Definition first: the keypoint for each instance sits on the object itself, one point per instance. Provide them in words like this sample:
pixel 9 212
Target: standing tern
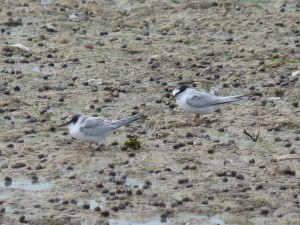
pixel 94 129
pixel 199 102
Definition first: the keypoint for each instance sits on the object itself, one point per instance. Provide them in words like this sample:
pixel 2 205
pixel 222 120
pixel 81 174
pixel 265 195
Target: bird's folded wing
pixel 202 100
pixel 95 126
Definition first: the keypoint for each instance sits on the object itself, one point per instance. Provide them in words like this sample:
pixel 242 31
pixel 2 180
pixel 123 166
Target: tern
pixel 200 102
pixel 94 129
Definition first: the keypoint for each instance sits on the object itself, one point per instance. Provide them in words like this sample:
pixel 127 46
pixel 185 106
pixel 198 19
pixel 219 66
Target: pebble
pixel 18 165
pixel 105 213
pixel 86 206
pixel 251 160
pixel 22 219
pixel 139 192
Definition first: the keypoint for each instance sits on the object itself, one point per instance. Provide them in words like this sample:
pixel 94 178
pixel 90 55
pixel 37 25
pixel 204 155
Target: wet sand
pixel 116 58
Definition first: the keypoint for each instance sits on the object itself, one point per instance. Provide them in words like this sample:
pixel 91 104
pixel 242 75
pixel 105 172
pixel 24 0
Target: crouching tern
pixel 199 102
pixel 94 129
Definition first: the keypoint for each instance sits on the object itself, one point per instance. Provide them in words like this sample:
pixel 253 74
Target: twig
pixel 253 137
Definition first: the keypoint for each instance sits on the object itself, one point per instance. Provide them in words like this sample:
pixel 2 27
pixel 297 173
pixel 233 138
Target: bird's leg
pixel 90 145
pixel 197 117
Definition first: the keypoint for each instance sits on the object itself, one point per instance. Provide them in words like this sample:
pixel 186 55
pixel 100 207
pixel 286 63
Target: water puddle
pixel 46 2
pixel 93 203
pixel 126 222
pixel 36 69
pixel 26 184
pixel 134 182
pixel 193 220
pixel 181 219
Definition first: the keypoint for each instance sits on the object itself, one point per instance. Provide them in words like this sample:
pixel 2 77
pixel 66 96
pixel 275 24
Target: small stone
pixel 287 144
pixel 221 129
pixel 264 211
pixel 22 219
pixel 72 176
pixel 7 179
pixel 86 206
pixel 17 88
pixel 99 185
pixel 278 139
pixel 240 176
pixel 288 171
pixel 259 186
pixel 115 208
pixel 18 165
pixel 183 180
pixel 10 145
pixel 105 213
pixel 251 160
pixel 139 192
pixel 97 209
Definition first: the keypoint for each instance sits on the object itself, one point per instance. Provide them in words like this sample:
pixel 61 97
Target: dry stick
pixel 253 137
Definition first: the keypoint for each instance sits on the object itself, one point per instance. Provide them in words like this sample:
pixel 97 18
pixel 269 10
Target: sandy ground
pixel 114 58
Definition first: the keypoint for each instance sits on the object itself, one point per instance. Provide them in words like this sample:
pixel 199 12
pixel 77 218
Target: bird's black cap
pixel 181 89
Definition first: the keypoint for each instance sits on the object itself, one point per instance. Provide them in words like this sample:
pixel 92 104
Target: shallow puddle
pixel 93 203
pixel 126 222
pixel 26 184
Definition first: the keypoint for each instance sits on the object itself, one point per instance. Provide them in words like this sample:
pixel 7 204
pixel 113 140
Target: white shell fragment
pixel 296 73
pixel 20 46
pixel 95 82
pixel 73 17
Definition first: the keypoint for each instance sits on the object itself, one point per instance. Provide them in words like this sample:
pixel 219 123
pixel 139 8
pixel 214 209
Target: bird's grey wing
pixel 95 126
pixel 202 99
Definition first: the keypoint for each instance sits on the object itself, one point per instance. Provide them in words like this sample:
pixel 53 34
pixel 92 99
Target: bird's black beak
pixel 62 125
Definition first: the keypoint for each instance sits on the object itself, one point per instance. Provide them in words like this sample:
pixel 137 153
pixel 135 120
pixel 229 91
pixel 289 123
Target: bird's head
pixel 179 90
pixel 70 120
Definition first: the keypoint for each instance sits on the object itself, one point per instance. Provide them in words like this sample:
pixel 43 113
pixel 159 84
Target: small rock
pixel 105 213
pixel 86 206
pixel 240 177
pixel 18 165
pixel 97 209
pixel 251 160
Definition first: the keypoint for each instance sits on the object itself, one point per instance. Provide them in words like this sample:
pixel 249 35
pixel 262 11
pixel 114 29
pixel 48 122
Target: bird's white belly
pixel 196 110
pixel 77 134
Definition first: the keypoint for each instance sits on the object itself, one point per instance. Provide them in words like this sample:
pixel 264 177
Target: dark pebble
pixel 115 208
pixel 22 219
pixel 251 160
pixel 259 187
pixel 86 206
pixel 183 180
pixel 99 185
pixel 240 177
pixel 139 192
pixel 179 145
pixel 264 211
pixel 97 209
pixel 17 88
pixel 131 154
pixel 287 144
pixel 288 171
pixel 18 165
pixel 7 179
pixel 105 213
